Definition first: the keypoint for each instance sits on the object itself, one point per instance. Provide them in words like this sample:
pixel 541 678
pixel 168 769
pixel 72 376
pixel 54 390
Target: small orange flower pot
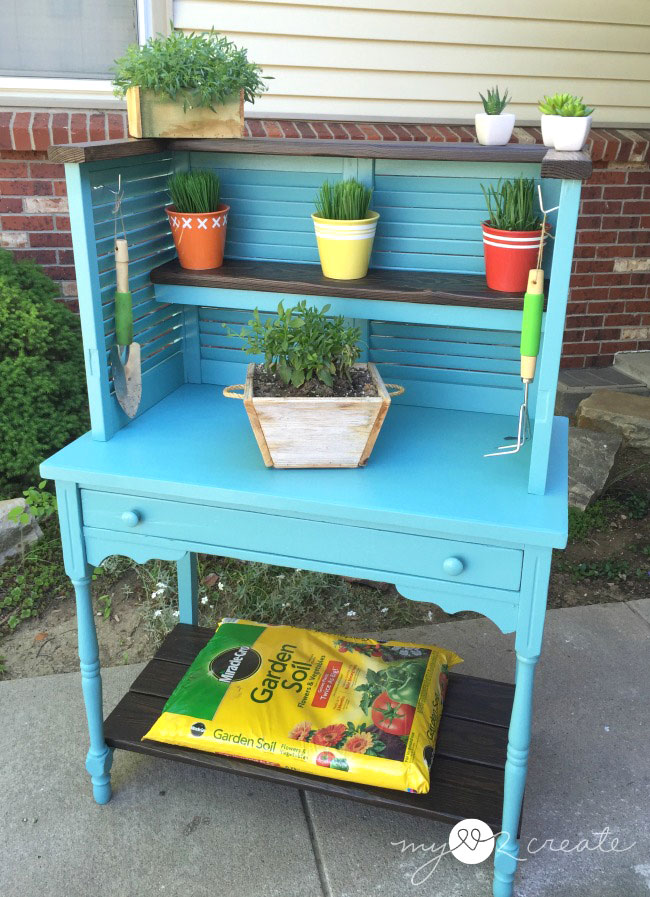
pixel 200 237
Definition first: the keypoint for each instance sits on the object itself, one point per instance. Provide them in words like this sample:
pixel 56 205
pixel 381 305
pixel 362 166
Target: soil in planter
pixel 360 384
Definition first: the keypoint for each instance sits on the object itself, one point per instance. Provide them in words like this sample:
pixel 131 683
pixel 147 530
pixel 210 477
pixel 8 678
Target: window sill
pixel 70 93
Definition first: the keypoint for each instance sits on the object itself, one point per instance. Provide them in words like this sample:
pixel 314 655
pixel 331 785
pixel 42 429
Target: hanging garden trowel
pixel 125 354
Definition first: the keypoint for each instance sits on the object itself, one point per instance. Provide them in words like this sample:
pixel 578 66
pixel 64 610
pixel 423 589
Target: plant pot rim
pixel 373 216
pixel 496 230
pixel 172 210
pixel 495 115
pixel 381 396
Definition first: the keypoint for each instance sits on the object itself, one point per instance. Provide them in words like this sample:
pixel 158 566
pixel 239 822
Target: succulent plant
pixel 494 104
pixel 564 104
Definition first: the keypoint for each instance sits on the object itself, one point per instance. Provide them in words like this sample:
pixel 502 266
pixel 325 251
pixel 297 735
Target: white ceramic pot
pixel 570 134
pixel 548 129
pixel 494 130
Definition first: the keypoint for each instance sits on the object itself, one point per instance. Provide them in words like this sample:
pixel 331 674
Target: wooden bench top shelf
pixel 429 513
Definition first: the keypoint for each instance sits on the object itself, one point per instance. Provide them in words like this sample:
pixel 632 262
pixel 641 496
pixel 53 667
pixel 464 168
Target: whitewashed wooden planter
pixel 154 115
pixel 315 432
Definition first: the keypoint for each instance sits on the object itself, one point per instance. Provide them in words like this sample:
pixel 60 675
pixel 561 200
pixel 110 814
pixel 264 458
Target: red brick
pixel 574 321
pixel 20 129
pixel 634 236
pixel 625 191
pixel 11 205
pixel 582 280
pixel 79 127
pixel 591 265
pixel 62 222
pixel 116 129
pixel 254 128
pixel 97 126
pixel 26 188
pixel 59 188
pixel 597 236
pixel 590 293
pixel 42 256
pixel 573 363
pixel 61 127
pixel 620 320
pixel 322 131
pixel 592 192
pixel 639 278
pixel 614 251
pixel 369 132
pixel 307 131
pixel 56 239
pixel 637 207
pixel 39 169
pixel 27 222
pixel 580 348
pixel 386 132
pixel 289 130
pixel 589 222
pixel 21 155
pixel 13 169
pixel 66 257
pixel 601 207
pixel 611 279
pixel 5 130
pixel 606 176
pixel 576 308
pixel 337 130
pixel 353 130
pixel 41 130
pixel 603 333
pixel 611 347
pixel 448 133
pixel 609 307
pixel 639 177
pixel 620 222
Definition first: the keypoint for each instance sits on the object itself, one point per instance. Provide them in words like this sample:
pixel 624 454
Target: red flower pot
pixel 509 256
pixel 199 237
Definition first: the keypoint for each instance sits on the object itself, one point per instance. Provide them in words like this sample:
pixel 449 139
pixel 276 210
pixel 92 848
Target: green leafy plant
pixel 343 201
pixel 494 103
pixel 39 502
pixel 201 69
pixel 302 343
pixel 43 400
pixel 564 104
pixel 510 205
pixel 194 191
pixel 105 603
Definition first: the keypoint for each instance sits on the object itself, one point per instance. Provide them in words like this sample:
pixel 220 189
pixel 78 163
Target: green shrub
pixel 43 402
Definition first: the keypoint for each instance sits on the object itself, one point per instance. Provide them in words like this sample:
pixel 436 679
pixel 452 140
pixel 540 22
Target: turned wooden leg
pixel 528 645
pixel 100 756
pixel 188 589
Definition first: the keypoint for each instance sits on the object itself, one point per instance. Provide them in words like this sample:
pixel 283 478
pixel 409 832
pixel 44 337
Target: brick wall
pixel 609 303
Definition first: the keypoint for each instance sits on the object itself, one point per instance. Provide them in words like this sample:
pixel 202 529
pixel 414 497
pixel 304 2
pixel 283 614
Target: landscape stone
pixel 15 536
pixel 617 412
pixel 591 456
pixel 634 364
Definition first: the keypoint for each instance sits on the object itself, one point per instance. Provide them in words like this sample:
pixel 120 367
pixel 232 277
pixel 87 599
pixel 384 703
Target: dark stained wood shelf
pixel 575 166
pixel 424 287
pixel 467 771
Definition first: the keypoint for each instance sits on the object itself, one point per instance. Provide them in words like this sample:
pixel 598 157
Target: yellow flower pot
pixel 344 247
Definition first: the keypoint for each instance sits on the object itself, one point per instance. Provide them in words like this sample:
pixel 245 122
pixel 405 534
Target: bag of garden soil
pixel 345 708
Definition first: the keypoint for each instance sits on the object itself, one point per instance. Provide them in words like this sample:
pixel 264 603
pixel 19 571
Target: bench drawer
pixel 229 530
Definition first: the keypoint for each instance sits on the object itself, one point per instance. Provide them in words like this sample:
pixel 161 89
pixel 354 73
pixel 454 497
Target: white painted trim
pixel 83 93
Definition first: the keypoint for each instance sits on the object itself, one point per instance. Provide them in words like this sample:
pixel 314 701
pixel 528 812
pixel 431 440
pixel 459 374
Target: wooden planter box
pixel 315 432
pixel 153 115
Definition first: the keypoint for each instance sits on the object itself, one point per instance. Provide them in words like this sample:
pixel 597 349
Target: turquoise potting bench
pixel 429 513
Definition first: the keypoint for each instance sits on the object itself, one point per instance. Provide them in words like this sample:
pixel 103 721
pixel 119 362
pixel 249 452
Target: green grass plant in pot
pixel 187 85
pixel 345 229
pixel 511 233
pixel 493 125
pixel 197 218
pixel 566 122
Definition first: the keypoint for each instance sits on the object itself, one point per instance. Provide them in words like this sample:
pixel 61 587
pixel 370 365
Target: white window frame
pixel 153 17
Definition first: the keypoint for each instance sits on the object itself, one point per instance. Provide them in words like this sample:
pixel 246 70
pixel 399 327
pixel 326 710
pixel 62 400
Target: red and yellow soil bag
pixel 345 708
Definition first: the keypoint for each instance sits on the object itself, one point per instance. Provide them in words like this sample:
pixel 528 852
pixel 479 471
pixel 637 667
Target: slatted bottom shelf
pixel 467 771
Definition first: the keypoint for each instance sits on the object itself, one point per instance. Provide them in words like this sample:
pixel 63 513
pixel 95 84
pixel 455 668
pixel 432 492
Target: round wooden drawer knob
pixel 132 518
pixel 453 566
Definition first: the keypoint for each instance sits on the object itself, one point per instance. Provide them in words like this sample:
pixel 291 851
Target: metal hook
pixel 117 206
pixel 541 204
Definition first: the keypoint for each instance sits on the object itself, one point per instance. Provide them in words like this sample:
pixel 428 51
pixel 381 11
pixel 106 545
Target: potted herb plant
pixel 345 229
pixel 197 219
pixel 310 404
pixel 511 234
pixel 566 122
pixel 187 85
pixel 493 125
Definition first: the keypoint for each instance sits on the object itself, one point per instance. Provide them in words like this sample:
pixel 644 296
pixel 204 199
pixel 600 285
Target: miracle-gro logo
pixel 235 664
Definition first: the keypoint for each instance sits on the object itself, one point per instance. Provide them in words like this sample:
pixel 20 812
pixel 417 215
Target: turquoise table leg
pixel 188 589
pixel 100 756
pixel 528 645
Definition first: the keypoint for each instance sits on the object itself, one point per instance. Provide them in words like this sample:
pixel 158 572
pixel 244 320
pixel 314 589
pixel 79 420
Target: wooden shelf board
pixel 467 771
pixel 422 287
pixel 553 164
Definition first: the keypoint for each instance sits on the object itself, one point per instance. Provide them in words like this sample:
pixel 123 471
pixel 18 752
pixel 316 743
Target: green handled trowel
pixel 531 330
pixel 125 353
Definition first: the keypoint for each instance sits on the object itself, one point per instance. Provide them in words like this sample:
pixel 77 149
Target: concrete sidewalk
pixel 176 830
